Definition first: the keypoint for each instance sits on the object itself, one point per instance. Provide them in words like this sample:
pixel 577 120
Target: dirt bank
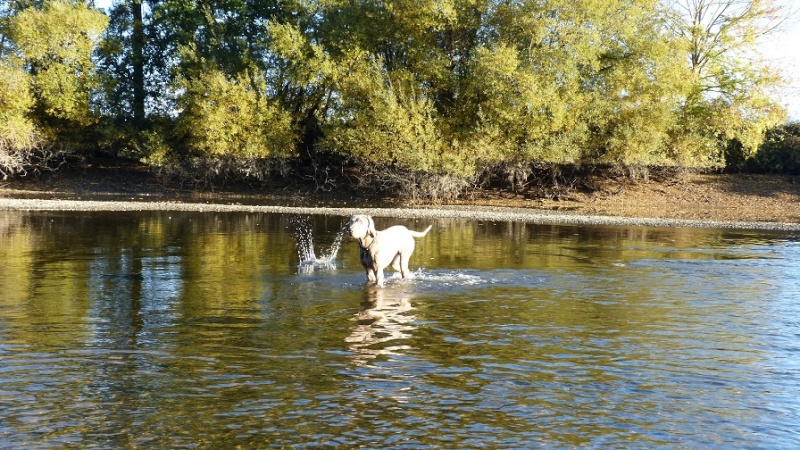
pixel 717 197
pixel 741 201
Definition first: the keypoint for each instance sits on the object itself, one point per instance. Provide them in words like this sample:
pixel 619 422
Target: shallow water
pixel 157 330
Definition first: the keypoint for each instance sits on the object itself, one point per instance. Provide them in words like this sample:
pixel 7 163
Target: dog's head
pixel 360 227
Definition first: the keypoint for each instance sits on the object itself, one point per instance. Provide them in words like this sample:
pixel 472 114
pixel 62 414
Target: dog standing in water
pixel 379 249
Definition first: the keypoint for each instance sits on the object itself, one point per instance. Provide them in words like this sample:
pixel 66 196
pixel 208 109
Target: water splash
pixel 309 261
pixel 443 278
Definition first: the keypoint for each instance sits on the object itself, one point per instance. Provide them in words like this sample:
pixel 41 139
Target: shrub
pixel 231 118
pixel 18 135
pixel 780 152
pixel 56 43
pixel 388 119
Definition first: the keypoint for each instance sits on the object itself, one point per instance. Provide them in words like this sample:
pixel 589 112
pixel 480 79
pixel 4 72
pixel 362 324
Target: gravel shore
pixel 481 213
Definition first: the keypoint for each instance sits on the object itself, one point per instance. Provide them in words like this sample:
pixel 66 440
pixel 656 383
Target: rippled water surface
pixel 154 330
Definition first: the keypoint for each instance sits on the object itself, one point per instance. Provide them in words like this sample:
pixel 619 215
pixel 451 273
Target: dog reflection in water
pixel 383 324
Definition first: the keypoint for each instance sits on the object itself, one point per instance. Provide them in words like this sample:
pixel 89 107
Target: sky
pixel 781 49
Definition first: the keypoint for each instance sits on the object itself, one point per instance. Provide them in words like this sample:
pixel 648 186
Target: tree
pixel 451 87
pixel 135 62
pixel 48 80
pixel 56 44
pixel 138 61
pixel 579 82
pixel 385 120
pixel 732 96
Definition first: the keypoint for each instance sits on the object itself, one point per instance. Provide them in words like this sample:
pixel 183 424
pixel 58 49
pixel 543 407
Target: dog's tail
pixel 419 234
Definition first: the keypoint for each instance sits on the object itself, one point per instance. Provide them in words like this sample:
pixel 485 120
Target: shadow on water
pixel 207 329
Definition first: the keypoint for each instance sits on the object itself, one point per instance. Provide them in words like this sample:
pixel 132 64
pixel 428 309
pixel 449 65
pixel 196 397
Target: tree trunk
pixel 138 62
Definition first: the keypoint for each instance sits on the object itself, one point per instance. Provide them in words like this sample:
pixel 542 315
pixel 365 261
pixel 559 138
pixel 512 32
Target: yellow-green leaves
pixel 441 86
pixel 732 97
pixel 231 118
pixel 56 42
pixel 18 135
pixel 386 121
pixel 16 129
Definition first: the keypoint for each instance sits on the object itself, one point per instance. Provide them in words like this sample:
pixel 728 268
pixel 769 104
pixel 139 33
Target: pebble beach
pixel 465 212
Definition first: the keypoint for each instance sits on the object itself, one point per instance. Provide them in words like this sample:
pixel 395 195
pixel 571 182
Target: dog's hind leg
pixel 404 271
pixel 405 257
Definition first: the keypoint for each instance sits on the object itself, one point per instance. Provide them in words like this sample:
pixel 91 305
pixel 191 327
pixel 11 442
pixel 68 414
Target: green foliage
pixel 45 107
pixel 16 129
pixel 302 77
pixel 780 152
pixel 225 117
pixel 504 109
pixel 386 122
pixel 56 44
pixel 733 92
pixel 18 135
pixel 452 88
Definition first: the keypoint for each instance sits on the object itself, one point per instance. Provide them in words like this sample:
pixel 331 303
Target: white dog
pixel 379 249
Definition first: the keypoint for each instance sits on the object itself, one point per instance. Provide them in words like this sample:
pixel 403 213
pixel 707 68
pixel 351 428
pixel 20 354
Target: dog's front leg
pixel 379 277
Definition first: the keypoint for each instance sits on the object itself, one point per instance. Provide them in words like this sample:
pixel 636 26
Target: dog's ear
pixel 371 227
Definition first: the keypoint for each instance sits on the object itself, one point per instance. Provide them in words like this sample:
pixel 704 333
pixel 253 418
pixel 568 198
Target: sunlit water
pixel 155 330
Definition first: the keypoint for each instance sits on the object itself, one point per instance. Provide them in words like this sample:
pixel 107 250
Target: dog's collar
pixel 361 242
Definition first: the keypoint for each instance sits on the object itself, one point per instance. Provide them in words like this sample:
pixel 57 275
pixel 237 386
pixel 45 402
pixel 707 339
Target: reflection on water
pixel 174 330
pixel 384 324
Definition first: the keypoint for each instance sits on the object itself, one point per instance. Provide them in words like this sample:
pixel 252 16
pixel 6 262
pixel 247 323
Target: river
pixel 215 330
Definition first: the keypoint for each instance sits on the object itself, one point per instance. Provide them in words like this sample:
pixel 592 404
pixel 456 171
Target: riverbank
pixel 691 200
pixel 695 197
pixel 471 212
